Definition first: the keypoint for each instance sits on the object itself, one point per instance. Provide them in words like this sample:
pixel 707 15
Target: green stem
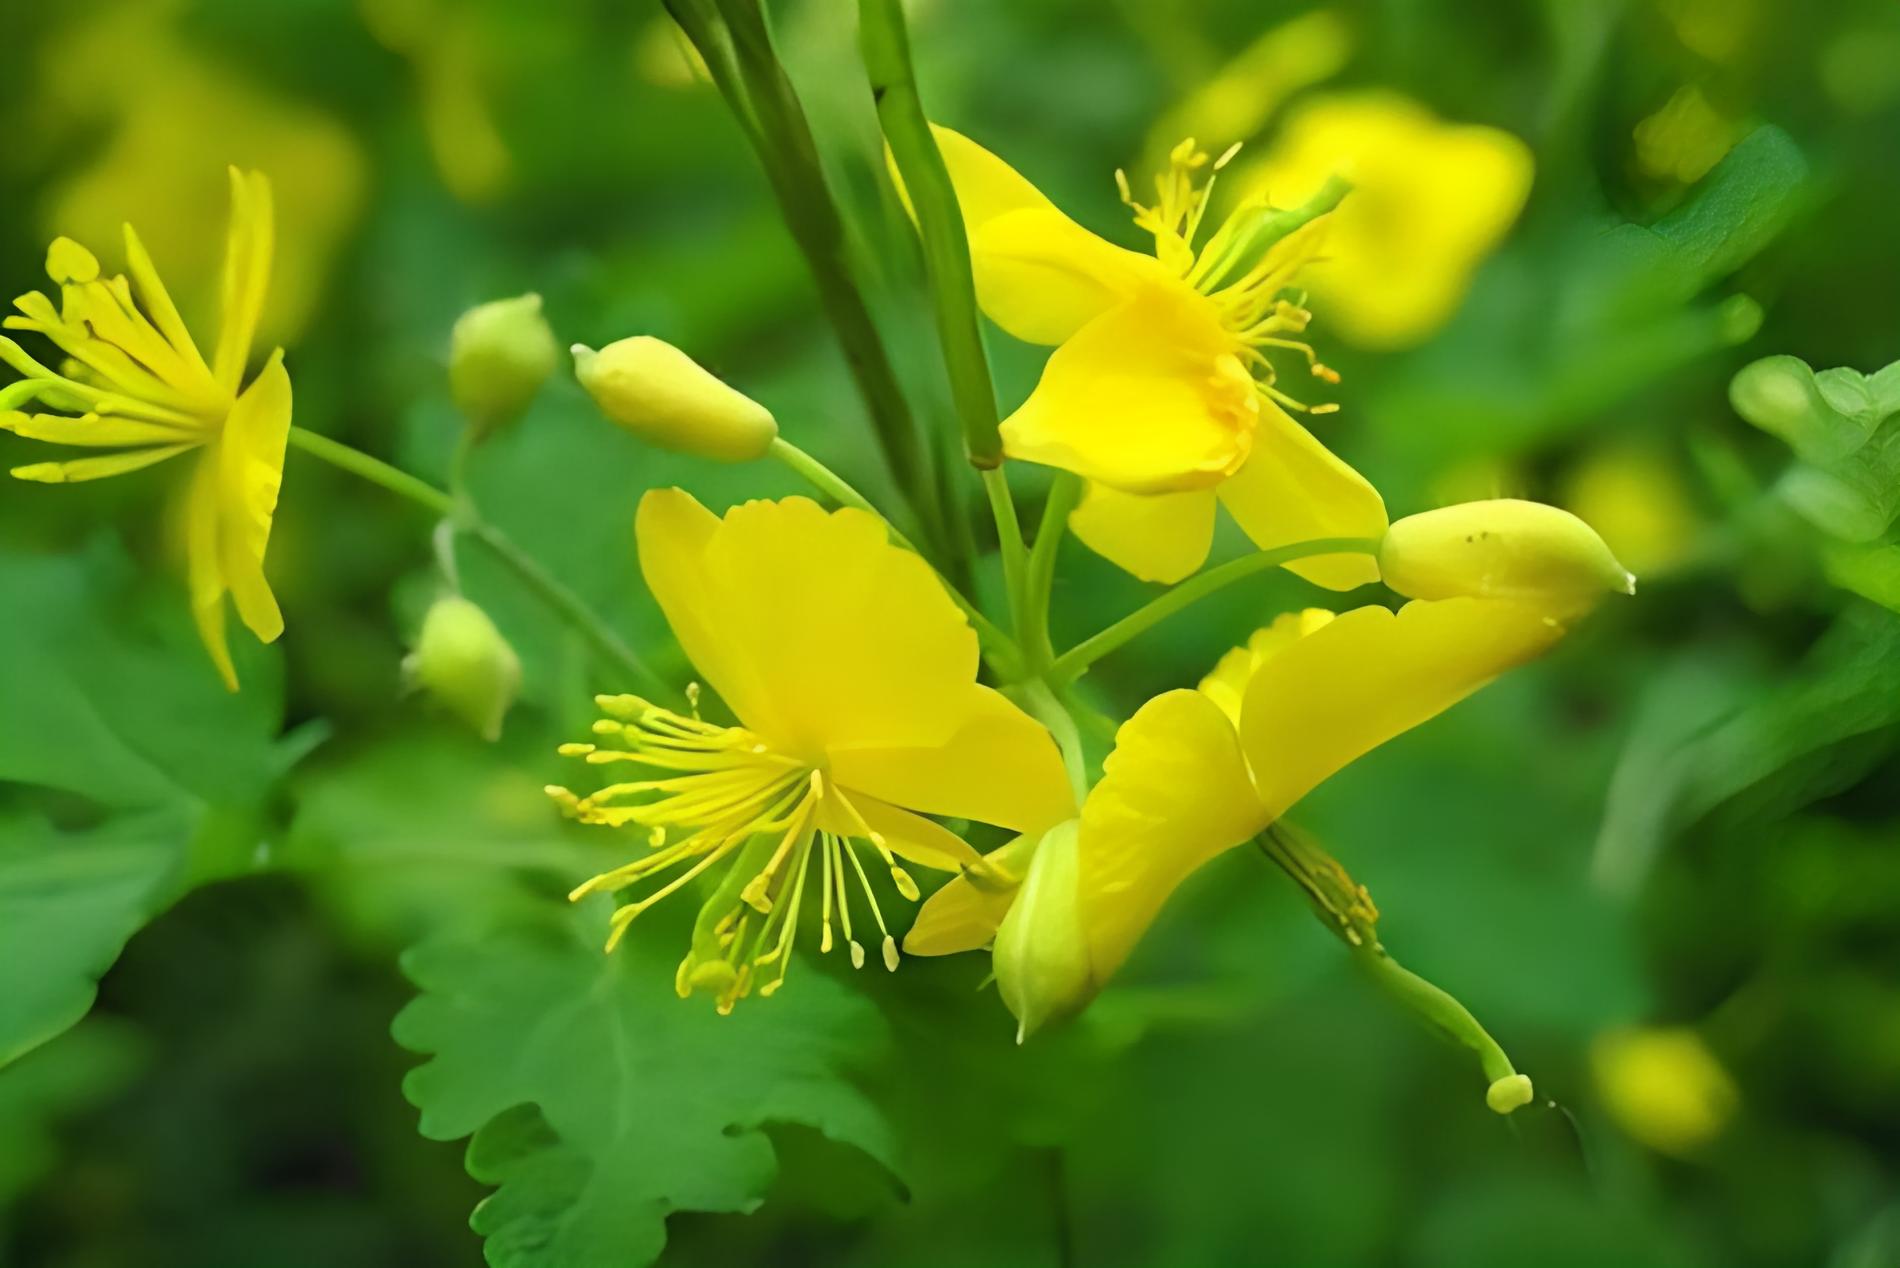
pixel 933 200
pixel 1009 540
pixel 1074 662
pixel 766 103
pixel 1040 575
pixel 464 515
pixel 1043 705
pixel 834 486
pixel 375 470
pixel 1344 906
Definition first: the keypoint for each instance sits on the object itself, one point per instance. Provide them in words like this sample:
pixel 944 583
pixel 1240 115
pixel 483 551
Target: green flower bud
pixel 1041 957
pixel 499 355
pixel 1502 549
pixel 666 398
pixel 462 661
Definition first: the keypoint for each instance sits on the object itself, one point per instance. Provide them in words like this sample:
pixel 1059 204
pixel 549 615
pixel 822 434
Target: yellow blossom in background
pixel 167 111
pixel 1195 773
pixel 1238 99
pixel 136 383
pixel 853 678
pixel 1634 495
pixel 442 42
pixel 1664 1087
pixel 1430 200
pixel 1162 389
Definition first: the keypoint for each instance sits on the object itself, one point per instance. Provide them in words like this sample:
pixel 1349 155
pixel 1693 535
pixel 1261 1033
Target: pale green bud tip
pixel 462 661
pixel 1041 956
pixel 500 353
pixel 666 398
pixel 1502 549
pixel 1511 1092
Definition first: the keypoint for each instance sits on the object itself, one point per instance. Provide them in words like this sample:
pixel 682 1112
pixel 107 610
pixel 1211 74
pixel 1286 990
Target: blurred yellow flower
pixel 1429 202
pixel 853 677
pixel 1160 391
pixel 1239 98
pixel 443 44
pixel 1195 773
pixel 139 385
pixel 167 109
pixel 1664 1087
pixel 1635 497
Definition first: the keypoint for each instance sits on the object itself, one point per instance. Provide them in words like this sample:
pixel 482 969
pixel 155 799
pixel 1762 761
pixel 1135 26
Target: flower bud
pixel 666 398
pixel 499 355
pixel 462 660
pixel 1502 549
pixel 1041 957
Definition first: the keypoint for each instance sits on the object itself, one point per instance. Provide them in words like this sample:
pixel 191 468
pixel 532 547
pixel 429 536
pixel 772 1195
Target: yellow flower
pixel 1195 773
pixel 1430 200
pixel 134 382
pixel 853 678
pixel 1663 1086
pixel 1160 391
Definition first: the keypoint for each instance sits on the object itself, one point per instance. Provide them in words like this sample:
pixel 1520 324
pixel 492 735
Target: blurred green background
pixel 1662 866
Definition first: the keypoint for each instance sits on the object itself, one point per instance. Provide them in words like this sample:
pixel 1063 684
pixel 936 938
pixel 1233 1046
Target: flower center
pixel 1245 268
pixel 728 797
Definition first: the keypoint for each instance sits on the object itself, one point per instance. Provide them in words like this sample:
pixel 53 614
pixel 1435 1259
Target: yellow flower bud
pixel 499 355
pixel 666 398
pixel 1502 549
pixel 462 661
pixel 1041 957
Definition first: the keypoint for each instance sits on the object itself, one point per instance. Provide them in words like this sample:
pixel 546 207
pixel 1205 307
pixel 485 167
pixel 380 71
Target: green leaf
pixel 1847 482
pixel 134 773
pixel 600 1102
pixel 1810 737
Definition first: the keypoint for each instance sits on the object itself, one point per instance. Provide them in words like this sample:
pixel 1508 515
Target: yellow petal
pixel 203 570
pixel 1000 767
pixel 1370 674
pixel 80 469
pixel 91 430
pixel 1038 274
pixel 817 631
pixel 251 459
pixel 961 916
pixel 1293 489
pixel 1158 536
pixel 1174 794
pixel 909 836
pixel 1226 684
pixel 1146 398
pixel 965 913
pixel 247 264
pixel 157 302
pixel 67 261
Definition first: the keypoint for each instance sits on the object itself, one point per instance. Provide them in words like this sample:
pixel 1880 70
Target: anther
pixel 890 953
pixel 574 749
pixel 857 954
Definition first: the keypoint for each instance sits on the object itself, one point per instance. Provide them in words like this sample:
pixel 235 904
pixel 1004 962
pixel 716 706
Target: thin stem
pixel 465 516
pixel 1039 576
pixel 1344 906
pixel 1074 662
pixel 553 592
pixel 933 201
pixel 1043 705
pixel 375 470
pixel 1009 538
pixel 834 486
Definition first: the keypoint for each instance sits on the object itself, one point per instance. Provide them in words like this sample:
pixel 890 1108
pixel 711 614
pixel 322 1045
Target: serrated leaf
pixel 111 719
pixel 642 1104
